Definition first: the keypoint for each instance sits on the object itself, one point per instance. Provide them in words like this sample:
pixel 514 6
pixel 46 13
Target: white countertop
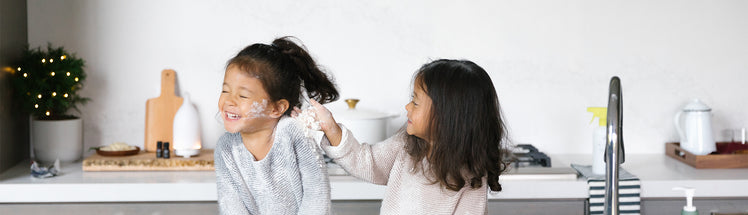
pixel 659 174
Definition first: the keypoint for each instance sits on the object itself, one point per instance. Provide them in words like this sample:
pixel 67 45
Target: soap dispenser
pixel 598 139
pixel 689 209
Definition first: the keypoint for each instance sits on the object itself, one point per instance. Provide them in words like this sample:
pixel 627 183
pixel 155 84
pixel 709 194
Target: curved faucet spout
pixel 614 154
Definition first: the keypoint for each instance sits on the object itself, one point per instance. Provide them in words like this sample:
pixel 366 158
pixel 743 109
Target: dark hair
pixel 283 67
pixel 465 127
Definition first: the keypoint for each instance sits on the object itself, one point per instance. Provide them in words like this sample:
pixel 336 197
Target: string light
pixel 44 98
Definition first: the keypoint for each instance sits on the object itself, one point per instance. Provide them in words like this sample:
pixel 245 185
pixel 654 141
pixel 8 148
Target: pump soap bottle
pixel 598 139
pixel 689 209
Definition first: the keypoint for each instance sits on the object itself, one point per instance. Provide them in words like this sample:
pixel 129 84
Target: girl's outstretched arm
pixel 369 162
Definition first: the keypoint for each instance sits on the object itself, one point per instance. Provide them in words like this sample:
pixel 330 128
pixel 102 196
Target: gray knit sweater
pixel 291 179
pixel 407 192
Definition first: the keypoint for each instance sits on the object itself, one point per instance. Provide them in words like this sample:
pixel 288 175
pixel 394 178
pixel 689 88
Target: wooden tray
pixel 147 161
pixel 711 161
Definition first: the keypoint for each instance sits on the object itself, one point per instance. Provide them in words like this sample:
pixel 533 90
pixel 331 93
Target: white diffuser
pixel 186 140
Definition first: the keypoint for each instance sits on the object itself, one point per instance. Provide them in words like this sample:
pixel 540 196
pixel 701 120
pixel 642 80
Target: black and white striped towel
pixel 629 188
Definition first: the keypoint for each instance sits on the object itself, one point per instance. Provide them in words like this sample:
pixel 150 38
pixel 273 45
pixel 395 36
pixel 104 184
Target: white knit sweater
pixel 291 179
pixel 387 163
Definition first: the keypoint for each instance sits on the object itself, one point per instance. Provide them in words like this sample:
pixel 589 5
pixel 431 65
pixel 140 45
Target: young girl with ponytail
pixel 264 163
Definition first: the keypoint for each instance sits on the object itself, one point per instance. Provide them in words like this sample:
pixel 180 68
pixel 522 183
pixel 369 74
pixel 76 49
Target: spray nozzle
pixel 599 112
pixel 689 197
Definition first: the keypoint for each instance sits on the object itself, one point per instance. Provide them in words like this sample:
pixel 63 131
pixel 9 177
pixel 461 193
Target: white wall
pixel 548 59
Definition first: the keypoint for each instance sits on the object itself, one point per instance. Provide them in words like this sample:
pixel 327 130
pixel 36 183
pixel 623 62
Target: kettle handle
pixel 679 129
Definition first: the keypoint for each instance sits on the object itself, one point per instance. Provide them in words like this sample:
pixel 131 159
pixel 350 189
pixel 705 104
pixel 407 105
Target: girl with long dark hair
pixel 448 156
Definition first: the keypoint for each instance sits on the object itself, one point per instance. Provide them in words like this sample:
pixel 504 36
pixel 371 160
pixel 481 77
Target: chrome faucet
pixel 614 155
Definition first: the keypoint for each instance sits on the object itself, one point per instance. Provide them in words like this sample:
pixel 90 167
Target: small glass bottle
pixel 166 150
pixel 159 146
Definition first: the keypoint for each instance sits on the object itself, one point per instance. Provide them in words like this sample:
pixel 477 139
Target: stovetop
pixel 523 155
pixel 526 155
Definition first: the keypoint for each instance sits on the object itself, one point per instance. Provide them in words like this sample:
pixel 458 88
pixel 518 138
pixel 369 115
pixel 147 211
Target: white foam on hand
pixel 309 118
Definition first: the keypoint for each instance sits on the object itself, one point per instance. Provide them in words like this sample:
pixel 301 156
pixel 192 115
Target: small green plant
pixel 46 83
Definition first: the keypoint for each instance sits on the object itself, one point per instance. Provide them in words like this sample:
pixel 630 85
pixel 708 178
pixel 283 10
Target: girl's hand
pixel 326 122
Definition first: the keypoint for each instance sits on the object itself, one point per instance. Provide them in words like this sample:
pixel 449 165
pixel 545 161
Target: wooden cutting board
pixel 160 111
pixel 147 161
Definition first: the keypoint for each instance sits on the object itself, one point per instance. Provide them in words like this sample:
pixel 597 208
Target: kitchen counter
pixel 658 173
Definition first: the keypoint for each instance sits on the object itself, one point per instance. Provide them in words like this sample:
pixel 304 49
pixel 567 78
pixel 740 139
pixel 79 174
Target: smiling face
pixel 244 104
pixel 419 111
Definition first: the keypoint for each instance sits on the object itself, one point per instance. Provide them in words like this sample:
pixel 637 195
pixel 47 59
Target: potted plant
pixel 46 85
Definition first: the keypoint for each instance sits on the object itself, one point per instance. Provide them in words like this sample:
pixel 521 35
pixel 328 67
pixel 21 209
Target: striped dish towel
pixel 629 188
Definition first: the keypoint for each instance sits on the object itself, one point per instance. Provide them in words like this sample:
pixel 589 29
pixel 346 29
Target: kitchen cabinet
pixel 495 207
pixel 340 207
pixel 704 205
pixel 160 208
pixel 364 207
pixel 537 206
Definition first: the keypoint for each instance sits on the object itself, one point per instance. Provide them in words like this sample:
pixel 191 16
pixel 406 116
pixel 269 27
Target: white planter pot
pixel 57 139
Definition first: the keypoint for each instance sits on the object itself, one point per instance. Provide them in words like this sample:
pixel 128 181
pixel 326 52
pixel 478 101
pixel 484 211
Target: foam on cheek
pixel 257 110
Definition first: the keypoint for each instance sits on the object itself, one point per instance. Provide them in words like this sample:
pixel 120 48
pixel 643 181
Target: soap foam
pixel 307 117
pixel 256 110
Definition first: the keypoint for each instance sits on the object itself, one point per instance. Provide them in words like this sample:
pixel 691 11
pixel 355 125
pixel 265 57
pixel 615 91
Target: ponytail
pixel 284 67
pixel 317 83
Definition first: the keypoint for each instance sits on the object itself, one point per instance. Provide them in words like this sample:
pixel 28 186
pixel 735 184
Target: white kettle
pixel 695 129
